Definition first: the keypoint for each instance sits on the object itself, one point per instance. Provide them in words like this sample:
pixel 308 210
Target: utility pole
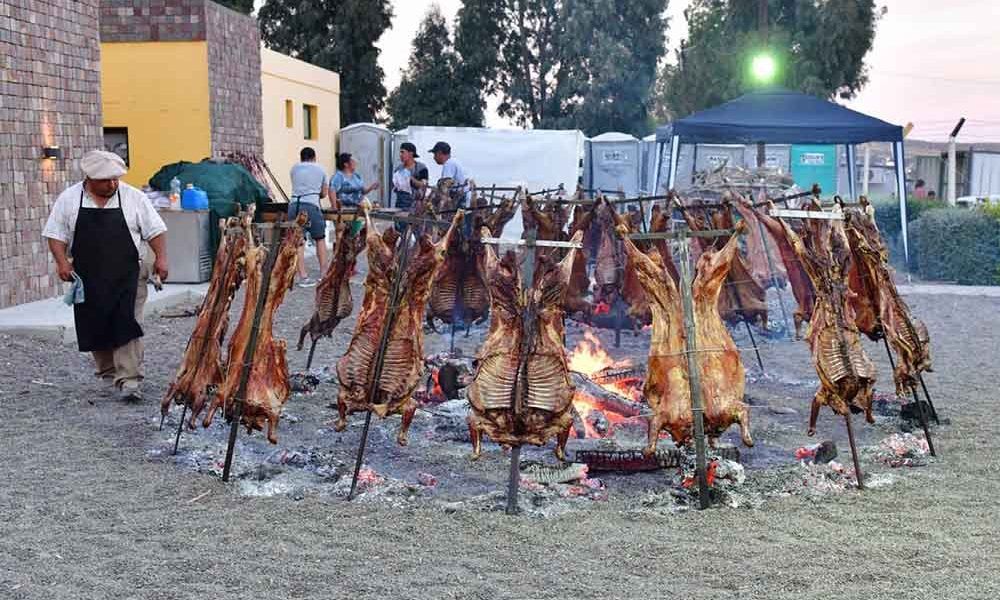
pixel 952 160
pixel 762 28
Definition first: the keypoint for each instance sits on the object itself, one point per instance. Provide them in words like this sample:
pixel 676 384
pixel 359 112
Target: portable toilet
pixel 612 161
pixel 370 145
pixel 813 163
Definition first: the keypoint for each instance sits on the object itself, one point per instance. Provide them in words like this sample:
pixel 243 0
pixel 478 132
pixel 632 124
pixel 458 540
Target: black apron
pixel 106 258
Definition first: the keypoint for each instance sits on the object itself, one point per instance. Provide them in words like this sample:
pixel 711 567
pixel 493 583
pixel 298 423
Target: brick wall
pixel 50 94
pixel 152 20
pixel 234 81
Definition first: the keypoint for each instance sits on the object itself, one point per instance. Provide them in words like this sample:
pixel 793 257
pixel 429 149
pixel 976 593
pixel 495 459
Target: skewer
pixel 393 306
pixel 251 350
pixel 312 351
pixel 854 451
pixel 927 394
pixel 753 341
pixel 180 426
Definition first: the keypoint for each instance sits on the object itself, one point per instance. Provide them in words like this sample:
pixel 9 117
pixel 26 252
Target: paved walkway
pixel 934 289
pixel 51 319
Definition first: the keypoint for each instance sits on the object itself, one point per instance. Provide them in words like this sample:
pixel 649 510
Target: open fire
pixel 600 415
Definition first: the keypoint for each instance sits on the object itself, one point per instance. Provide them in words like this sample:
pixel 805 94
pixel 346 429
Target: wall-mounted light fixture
pixel 52 152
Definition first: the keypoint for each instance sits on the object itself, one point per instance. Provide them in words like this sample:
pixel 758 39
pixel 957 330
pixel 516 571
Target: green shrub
pixel 956 244
pixel 887 213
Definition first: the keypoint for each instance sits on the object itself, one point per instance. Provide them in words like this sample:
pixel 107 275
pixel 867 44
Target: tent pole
pixel 852 172
pixel 897 152
pixel 867 169
pixel 659 165
pixel 675 154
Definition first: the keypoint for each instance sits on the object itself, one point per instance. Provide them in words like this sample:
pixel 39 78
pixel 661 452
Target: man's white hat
pixel 101 164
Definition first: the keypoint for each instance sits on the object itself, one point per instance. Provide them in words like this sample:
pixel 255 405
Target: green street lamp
pixel 764 68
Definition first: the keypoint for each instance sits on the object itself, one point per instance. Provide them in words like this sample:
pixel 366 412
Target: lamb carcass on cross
pixel 459 293
pixel 403 359
pixel 522 392
pixel 267 388
pixel 846 374
pixel 333 293
pixel 667 388
pixel 876 298
pixel 798 278
pixel 200 372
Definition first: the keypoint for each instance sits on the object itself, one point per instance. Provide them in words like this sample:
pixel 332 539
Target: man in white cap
pixel 98 231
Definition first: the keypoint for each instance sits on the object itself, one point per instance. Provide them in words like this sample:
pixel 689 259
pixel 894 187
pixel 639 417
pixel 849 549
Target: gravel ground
pixel 89 509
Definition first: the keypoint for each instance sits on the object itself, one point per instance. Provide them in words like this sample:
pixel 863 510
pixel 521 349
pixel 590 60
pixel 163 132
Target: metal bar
pixel 403 218
pixel 180 426
pixel 312 351
pixel 694 377
pixel 513 480
pixel 524 242
pixel 251 349
pixel 753 341
pixel 393 306
pixel 854 451
pixel 927 394
pixel 806 214
pixel 681 234
pixel 275 180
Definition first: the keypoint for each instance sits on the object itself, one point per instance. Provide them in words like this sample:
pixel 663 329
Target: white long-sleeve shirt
pixel 144 223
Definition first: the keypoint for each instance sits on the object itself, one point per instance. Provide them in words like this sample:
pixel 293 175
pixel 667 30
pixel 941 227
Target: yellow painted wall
pixel 159 91
pixel 283 79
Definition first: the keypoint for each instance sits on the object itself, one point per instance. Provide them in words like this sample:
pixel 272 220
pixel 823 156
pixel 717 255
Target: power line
pixel 937 78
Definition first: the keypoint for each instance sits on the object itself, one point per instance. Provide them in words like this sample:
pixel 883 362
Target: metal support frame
pixel 920 407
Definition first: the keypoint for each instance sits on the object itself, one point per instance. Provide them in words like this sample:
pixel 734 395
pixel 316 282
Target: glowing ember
pixel 589 356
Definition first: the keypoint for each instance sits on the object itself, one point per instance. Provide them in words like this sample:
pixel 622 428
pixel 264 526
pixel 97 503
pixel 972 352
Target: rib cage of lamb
pixel 403 358
pixel 333 293
pixel 667 387
pixel 267 388
pixel 200 372
pixel 459 293
pixel 846 373
pixel 522 393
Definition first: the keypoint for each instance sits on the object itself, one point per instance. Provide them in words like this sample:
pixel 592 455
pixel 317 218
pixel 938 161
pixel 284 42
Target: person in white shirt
pixel 98 231
pixel 309 186
pixel 451 169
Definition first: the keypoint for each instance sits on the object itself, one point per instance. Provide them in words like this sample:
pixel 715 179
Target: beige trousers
pixel 124 363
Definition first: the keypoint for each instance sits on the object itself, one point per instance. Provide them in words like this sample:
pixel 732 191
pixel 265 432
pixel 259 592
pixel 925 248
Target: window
pixel 289 114
pixel 309 122
pixel 116 140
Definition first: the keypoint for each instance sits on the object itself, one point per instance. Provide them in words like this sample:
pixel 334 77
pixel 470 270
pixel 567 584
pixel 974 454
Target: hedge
pixel 956 244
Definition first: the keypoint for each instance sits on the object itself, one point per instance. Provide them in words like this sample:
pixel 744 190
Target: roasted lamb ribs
pixel 522 392
pixel 846 374
pixel 403 359
pixel 333 293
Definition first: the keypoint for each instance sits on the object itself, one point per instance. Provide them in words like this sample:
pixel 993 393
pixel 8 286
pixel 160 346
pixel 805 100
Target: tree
pixel 243 6
pixel 339 35
pixel 819 45
pixel 586 64
pixel 432 91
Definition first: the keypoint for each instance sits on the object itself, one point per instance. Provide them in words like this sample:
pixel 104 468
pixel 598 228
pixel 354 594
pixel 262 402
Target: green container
pixel 815 164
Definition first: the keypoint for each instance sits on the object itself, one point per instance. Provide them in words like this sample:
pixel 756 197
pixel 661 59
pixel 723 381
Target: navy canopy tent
pixel 784 117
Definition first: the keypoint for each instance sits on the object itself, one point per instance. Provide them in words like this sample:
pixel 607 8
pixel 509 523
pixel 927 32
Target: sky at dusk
pixel 933 61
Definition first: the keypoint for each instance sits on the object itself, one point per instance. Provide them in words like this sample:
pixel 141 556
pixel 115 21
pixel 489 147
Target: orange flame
pixel 589 358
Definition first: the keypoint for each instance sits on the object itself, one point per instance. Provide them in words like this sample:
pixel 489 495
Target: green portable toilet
pixel 813 163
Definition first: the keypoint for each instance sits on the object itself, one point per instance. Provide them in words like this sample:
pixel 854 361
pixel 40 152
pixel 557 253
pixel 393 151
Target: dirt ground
pixel 87 511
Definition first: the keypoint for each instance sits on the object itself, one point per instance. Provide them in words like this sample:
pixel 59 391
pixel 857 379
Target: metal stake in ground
pixel 694 375
pixel 854 451
pixel 528 275
pixel 274 232
pixel 913 389
pixel 390 317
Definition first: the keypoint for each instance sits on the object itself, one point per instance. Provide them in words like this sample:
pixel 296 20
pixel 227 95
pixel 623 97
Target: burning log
pixel 604 399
